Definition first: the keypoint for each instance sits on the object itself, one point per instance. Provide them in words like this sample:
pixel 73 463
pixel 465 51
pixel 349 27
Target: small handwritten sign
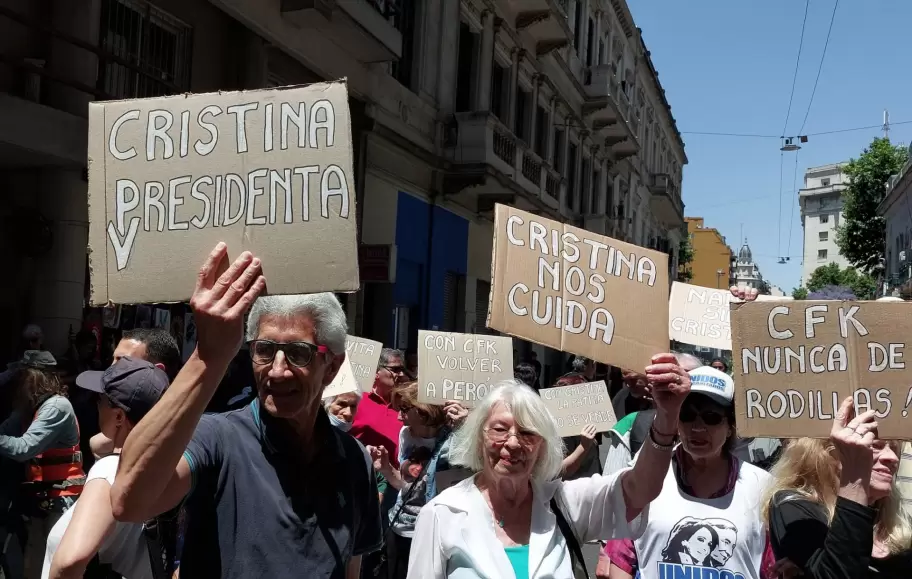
pixel 573 407
pixel 461 367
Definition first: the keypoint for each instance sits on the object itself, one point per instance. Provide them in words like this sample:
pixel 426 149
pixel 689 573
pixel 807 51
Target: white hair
pixel 323 308
pixel 327 402
pixel 529 412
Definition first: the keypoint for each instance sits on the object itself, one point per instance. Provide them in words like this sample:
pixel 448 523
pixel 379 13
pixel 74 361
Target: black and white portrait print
pixel 701 542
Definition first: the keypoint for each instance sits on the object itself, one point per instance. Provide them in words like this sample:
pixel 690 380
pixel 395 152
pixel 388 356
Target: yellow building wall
pixel 711 254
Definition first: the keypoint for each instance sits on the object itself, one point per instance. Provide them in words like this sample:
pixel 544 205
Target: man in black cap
pixel 126 392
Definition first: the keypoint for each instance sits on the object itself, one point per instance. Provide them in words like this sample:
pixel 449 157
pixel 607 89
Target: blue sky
pixel 727 66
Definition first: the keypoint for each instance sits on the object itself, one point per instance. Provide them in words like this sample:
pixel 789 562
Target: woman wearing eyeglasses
pixel 704 523
pixel 514 517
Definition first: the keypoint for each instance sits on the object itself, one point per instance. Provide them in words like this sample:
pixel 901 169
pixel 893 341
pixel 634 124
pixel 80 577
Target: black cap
pixel 133 385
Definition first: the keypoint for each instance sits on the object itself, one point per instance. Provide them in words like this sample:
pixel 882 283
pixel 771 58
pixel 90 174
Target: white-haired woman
pixel 514 517
pixel 833 509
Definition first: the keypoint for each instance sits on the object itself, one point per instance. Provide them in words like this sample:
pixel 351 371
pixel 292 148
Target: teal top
pixel 519 559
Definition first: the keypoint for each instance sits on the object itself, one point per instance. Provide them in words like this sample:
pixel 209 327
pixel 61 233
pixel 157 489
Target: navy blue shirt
pixel 258 509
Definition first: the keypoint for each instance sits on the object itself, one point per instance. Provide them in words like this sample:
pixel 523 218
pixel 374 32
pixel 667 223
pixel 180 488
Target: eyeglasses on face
pixel 501 434
pixel 709 417
pixel 298 354
pixel 394 370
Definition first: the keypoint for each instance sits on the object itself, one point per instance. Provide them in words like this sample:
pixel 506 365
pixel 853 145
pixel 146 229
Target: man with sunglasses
pixel 377 422
pixel 271 490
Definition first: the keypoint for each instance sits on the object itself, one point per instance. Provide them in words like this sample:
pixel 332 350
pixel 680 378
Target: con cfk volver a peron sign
pixel 268 171
pixel 700 315
pixel 461 367
pixel 578 292
pixel 795 362
pixel 579 405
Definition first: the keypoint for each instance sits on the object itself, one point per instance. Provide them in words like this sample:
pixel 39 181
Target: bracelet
pixel 656 445
pixel 666 434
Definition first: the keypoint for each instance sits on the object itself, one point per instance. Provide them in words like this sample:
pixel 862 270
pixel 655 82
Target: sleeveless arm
pixel 92 522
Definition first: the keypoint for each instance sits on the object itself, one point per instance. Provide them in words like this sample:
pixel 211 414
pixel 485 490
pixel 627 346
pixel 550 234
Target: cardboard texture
pixel 573 407
pixel 578 292
pixel 344 381
pixel 461 367
pixel 700 315
pixel 268 171
pixel 795 362
pixel 363 355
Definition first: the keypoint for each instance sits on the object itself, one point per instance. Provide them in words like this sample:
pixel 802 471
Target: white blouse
pixel 454 535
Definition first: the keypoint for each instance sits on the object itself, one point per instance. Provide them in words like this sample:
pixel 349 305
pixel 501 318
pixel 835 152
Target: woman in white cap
pixel 87 534
pixel 705 519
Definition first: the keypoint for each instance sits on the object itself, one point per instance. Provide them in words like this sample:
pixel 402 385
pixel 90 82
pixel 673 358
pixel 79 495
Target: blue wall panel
pixel 441 237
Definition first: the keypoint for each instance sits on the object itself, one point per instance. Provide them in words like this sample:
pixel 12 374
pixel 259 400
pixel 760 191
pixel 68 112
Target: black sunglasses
pixel 298 354
pixel 395 369
pixel 709 417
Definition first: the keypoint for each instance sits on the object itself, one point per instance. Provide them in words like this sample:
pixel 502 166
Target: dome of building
pixel 745 254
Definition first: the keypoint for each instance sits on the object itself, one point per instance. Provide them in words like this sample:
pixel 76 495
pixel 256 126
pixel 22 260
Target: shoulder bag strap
pixel 573 544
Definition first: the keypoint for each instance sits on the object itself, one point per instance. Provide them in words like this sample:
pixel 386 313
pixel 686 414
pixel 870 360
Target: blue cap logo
pixel 711 381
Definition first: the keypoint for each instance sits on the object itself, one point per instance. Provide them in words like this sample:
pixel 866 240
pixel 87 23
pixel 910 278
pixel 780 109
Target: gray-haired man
pixel 272 490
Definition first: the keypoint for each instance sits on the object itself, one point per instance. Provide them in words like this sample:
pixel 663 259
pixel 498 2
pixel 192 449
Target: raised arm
pixel 670 385
pixel 152 471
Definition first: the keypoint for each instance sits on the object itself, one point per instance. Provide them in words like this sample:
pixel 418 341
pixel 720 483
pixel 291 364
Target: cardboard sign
pixel 344 381
pixel 578 292
pixel 573 407
pixel 363 355
pixel 268 171
pixel 461 367
pixel 796 361
pixel 700 315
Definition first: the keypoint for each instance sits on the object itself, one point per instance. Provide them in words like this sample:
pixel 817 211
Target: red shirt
pixel 377 424
pixel 622 552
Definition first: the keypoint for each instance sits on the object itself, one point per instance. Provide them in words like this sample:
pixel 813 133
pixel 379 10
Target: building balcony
pixel 545 21
pixel 484 148
pixel 602 93
pixel 365 28
pixel 665 200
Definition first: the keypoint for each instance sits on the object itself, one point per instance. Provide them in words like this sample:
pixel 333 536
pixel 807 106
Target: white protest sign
pixel 269 171
pixel 363 355
pixel 344 381
pixel 461 367
pixel 701 316
pixel 575 406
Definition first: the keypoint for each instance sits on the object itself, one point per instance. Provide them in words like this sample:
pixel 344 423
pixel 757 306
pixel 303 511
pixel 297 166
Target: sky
pixel 727 66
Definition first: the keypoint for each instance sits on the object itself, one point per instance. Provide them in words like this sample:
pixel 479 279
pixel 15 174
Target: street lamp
pixel 719 274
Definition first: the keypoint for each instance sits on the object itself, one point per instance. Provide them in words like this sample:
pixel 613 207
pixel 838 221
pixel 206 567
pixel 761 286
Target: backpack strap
pixel 640 430
pixel 578 562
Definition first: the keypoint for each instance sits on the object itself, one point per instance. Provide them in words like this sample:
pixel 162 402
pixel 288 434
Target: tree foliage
pixel 832 292
pixel 800 293
pixel 685 258
pixel 861 236
pixel 861 285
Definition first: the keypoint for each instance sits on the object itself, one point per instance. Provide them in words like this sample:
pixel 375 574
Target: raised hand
pixel 220 301
pixel 380 456
pixel 587 436
pixel 455 413
pixel 854 437
pixel 746 294
pixel 669 384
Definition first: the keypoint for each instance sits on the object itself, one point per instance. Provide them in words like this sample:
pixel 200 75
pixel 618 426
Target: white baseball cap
pixel 713 383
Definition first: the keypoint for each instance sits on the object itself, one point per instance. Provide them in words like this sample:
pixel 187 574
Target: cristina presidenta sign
pixel 268 171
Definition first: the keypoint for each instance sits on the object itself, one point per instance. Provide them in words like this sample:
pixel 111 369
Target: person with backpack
pixel 125 392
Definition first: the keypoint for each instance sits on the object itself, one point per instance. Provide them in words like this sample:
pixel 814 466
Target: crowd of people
pixel 127 472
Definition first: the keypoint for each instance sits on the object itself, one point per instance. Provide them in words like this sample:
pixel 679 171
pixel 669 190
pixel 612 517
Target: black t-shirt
pixel 256 510
pixel 842 550
pixel 625 403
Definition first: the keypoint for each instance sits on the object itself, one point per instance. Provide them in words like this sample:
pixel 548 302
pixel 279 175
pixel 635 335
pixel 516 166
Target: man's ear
pixel 160 366
pixel 332 368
